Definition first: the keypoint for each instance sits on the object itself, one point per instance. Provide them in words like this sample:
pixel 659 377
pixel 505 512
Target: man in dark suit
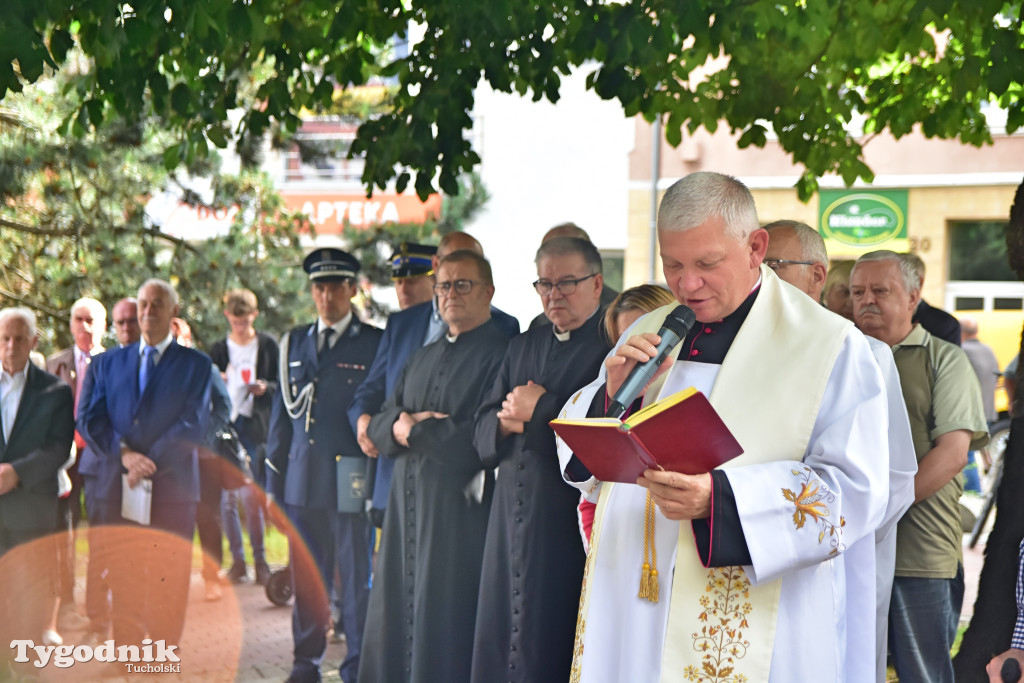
pixel 936 321
pixel 249 361
pixel 147 410
pixel 37 430
pixel 417 324
pixel 88 324
pixel 309 450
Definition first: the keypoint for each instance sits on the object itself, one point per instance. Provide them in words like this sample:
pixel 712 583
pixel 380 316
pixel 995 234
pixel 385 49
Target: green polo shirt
pixel 942 395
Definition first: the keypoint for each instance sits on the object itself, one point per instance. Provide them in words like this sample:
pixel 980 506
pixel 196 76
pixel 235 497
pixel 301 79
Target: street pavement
pixel 240 638
pixel 244 638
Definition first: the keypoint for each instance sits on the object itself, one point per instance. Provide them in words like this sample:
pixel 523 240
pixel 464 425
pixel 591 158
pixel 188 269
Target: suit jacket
pixel 166 422
pixel 301 464
pixel 938 322
pixel 62 364
pixel 267 362
pixel 405 333
pixel 40 439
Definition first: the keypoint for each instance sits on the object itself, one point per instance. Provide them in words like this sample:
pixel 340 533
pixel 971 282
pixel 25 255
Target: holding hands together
pixel 518 406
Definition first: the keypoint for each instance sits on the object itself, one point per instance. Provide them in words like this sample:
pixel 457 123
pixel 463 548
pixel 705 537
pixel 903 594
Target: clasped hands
pixel 8 478
pixel 406 421
pixel 518 406
pixel 138 465
pixel 678 496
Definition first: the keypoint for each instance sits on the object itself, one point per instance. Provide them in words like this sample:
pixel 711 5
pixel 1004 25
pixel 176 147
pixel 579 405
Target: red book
pixel 680 433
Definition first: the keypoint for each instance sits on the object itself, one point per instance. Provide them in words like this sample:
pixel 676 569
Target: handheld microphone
pixel 673 330
pixel 1010 673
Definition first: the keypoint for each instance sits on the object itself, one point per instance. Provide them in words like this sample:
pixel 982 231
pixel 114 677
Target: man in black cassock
pixel 533 560
pixel 424 596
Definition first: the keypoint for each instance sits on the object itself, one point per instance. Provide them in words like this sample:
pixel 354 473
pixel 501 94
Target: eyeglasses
pixel 460 286
pixel 565 287
pixel 777 263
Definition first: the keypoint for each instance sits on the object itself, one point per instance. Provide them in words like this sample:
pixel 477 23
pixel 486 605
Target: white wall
pixel 546 164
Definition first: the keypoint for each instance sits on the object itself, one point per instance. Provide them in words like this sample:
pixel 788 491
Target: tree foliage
pixel 73 222
pixel 806 73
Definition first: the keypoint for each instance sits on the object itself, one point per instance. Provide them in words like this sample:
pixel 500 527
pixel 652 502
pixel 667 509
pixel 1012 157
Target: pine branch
pixel 42 308
pixel 33 230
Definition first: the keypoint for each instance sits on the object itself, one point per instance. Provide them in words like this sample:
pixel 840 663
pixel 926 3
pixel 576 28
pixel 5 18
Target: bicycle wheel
pixel 998 439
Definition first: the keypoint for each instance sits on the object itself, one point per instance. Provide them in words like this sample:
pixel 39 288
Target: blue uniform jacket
pixel 301 467
pixel 165 423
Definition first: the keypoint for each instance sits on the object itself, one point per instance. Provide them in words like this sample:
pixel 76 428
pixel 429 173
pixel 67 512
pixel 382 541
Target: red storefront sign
pixel 329 212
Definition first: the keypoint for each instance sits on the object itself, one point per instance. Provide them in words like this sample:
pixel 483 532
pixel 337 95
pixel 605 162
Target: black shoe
pixel 262 573
pixel 238 573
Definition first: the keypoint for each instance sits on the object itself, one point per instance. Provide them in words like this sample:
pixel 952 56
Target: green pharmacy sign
pixel 866 218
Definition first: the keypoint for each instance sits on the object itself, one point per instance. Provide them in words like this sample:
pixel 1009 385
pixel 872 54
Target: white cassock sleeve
pixel 798 513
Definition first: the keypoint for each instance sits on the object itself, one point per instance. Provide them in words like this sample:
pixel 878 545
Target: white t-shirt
pixel 241 372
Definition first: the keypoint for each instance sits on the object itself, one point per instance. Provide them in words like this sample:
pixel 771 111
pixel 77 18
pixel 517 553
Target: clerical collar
pixel 338 327
pixel 709 342
pixel 452 338
pixel 565 336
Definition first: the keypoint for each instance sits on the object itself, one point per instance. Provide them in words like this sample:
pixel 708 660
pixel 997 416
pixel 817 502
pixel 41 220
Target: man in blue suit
pixel 417 324
pixel 147 410
pixel 309 450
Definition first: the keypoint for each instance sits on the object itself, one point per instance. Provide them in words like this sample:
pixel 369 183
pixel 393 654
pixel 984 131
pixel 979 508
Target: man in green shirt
pixel 943 402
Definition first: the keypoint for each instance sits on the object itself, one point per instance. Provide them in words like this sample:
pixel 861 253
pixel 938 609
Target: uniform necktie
pixel 327 333
pixel 148 366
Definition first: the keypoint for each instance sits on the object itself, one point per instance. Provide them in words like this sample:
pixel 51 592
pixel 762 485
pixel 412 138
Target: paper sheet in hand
pixel 136 503
pixel 680 433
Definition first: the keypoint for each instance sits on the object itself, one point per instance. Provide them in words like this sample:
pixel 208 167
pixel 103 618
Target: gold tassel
pixel 649 586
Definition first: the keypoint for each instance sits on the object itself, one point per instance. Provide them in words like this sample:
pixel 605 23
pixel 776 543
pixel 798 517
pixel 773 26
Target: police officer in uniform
pixel 316 470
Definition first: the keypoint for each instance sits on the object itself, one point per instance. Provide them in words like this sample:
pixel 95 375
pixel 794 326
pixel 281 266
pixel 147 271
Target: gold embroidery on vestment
pixel 725 612
pixel 581 625
pixel 812 501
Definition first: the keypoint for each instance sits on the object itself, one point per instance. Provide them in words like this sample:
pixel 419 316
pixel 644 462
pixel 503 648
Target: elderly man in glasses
pixel 797 254
pixel 533 562
pixel 423 602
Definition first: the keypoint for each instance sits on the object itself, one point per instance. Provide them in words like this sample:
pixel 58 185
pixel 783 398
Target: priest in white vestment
pixel 745 578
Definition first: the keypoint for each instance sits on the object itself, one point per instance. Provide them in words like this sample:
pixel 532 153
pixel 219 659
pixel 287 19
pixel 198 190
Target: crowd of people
pixel 830 548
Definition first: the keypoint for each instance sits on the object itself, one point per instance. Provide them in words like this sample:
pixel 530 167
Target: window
pixel 978 251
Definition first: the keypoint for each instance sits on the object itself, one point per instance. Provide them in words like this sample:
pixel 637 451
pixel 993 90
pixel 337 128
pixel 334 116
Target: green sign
pixel 863 218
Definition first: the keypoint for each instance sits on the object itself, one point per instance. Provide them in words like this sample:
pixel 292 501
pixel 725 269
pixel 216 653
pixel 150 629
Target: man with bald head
pixel 740 559
pixel 983 360
pixel 125 316
pixel 796 253
pixel 417 324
